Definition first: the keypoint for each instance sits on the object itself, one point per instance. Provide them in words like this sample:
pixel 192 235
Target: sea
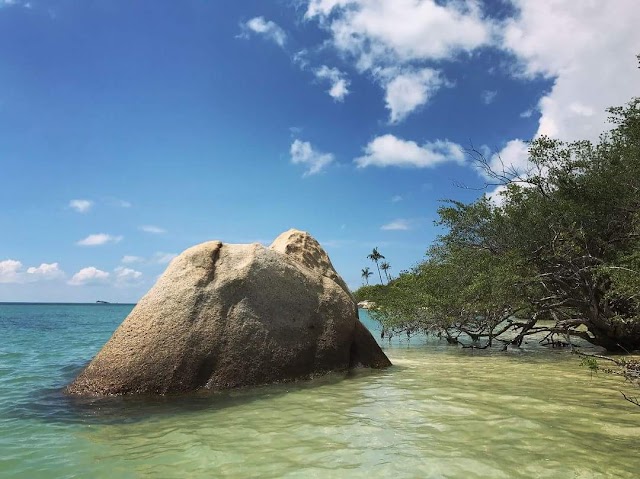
pixel 439 412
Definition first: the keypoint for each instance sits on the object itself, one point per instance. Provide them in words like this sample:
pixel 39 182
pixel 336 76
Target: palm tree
pixel 375 256
pixel 384 266
pixel 366 273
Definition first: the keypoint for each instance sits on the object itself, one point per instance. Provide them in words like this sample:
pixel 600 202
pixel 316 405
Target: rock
pixel 366 304
pixel 228 315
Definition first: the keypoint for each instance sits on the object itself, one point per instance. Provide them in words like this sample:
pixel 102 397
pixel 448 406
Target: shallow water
pixel 440 412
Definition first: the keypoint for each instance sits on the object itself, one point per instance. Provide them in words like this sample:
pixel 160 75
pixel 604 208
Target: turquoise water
pixel 440 412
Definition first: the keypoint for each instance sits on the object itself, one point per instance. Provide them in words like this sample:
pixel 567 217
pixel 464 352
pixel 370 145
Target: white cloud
pixel 127 276
pixel 81 206
pixel 152 229
pixel 527 113
pixel 163 258
pixel 397 225
pixel 378 32
pixel 89 275
pixel 315 161
pixel 588 48
pixel 389 40
pixel 388 150
pixel 496 196
pixel 10 271
pixel 323 7
pixel 129 259
pixel 266 28
pixel 513 158
pixel 339 84
pixel 11 3
pixel 300 59
pixel 396 198
pixel 488 96
pixel 408 90
pixel 99 239
pixel 44 272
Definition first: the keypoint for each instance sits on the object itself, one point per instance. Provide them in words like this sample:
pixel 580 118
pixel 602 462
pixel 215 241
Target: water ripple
pixel 438 413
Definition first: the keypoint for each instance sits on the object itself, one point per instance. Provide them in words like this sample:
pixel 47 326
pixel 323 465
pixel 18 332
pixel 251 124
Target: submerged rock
pixel 231 315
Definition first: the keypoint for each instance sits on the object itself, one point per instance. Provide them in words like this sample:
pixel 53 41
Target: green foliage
pixel 385 266
pixel 365 274
pixel 369 292
pixel 562 245
pixel 375 256
pixel 590 363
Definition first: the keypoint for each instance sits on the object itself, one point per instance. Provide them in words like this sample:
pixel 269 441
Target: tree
pixel 366 273
pixel 563 245
pixel 384 266
pixel 375 256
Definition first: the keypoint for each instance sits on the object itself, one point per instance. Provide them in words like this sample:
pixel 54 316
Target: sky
pixel 130 131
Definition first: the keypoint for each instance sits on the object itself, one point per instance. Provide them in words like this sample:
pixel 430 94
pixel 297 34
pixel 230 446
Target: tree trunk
pixel 616 336
pixel 379 274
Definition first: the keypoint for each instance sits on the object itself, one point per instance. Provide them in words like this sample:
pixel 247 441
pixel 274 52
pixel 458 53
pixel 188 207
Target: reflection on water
pixel 438 413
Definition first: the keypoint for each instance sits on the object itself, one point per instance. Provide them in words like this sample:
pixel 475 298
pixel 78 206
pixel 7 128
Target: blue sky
pixel 130 131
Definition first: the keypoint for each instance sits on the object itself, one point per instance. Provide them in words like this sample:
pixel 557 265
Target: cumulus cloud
pixel 339 84
pixel 513 158
pixel 376 32
pixel 590 72
pixel 388 150
pixel 265 28
pixel 397 225
pixel 81 206
pixel 588 49
pixel 44 272
pixel 323 7
pixel 152 229
pixel 88 276
pixel 127 276
pixel 302 153
pixel 496 197
pixel 408 90
pixel 99 239
pixel 10 271
pixel 390 40
pixel 567 42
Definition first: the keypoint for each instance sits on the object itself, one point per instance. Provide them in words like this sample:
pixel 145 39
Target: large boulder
pixel 231 315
